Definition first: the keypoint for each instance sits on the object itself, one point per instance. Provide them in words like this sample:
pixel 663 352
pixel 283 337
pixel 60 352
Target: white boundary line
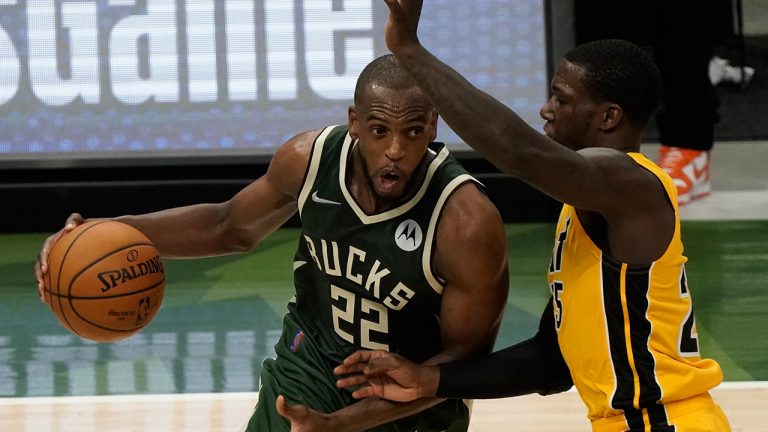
pixel 135 398
pixel 748 385
pixel 191 397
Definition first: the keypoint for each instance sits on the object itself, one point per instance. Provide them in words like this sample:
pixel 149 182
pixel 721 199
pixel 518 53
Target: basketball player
pixel 386 213
pixel 620 322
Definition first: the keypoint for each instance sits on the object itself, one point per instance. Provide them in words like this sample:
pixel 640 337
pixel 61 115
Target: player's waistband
pixel 673 410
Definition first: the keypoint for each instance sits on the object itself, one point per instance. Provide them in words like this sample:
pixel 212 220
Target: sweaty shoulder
pixel 471 251
pixel 289 163
pixel 609 159
pixel 624 185
pixel 639 218
pixel 470 220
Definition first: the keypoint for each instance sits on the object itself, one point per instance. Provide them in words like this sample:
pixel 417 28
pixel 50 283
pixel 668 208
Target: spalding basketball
pixel 105 280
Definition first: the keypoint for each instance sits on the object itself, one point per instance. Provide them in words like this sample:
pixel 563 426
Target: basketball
pixel 105 281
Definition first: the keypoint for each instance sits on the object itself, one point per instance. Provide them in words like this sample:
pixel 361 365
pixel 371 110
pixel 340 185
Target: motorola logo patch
pixel 408 235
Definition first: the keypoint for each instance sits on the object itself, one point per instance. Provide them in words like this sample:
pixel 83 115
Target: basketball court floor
pixel 195 368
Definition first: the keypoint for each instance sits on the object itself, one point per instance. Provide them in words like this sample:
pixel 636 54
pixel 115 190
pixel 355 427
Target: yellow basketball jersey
pixel 627 332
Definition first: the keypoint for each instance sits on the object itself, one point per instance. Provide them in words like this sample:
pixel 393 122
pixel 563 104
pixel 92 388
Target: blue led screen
pixel 197 77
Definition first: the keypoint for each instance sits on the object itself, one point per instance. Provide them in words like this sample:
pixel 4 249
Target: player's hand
pixel 41 265
pixel 302 418
pixel 402 26
pixel 388 376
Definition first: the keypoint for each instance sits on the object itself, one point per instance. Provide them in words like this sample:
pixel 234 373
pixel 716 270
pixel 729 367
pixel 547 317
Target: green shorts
pixel 305 377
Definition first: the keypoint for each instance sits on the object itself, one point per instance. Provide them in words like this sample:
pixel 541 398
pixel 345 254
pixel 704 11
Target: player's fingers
pixel 351 380
pixel 42 257
pixel 40 281
pixel 73 221
pixel 281 407
pixel 360 356
pixel 344 369
pixel 364 392
pixel 394 6
pixel 380 365
pixel 291 412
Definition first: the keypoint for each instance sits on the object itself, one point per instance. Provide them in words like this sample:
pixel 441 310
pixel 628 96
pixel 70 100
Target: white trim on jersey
pixel 397 211
pixel 426 258
pixel 314 163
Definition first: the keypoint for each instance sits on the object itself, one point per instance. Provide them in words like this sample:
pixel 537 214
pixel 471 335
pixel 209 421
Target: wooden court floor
pixel 743 403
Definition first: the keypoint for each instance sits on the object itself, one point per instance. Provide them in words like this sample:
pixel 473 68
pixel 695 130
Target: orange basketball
pixel 105 281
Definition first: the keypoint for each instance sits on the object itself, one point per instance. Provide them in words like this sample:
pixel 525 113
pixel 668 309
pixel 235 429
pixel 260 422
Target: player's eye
pixel 415 132
pixel 378 130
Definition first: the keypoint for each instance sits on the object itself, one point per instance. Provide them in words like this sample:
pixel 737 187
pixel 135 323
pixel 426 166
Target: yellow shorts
pixel 696 414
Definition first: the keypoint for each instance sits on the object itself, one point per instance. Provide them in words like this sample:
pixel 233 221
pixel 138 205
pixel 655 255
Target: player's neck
pixel 363 192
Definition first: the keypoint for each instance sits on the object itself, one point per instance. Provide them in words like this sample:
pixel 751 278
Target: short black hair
pixel 385 71
pixel 620 72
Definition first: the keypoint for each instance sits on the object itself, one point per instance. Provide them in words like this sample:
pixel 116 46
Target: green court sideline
pixel 221 316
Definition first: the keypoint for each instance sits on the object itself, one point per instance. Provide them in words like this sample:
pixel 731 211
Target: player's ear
pixel 611 116
pixel 352 122
pixel 434 117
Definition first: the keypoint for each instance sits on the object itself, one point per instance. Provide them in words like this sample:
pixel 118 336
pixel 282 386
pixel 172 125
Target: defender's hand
pixel 388 376
pixel 402 26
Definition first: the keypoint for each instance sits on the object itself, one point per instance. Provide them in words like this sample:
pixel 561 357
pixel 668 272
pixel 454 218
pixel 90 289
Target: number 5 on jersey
pixel 556 287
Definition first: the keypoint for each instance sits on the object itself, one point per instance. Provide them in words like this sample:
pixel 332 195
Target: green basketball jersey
pixel 366 280
pixel 362 281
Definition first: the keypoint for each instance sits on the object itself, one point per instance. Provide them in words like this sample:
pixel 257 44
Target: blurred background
pixel 129 106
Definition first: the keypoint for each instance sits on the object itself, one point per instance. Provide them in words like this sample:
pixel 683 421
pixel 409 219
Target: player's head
pixel 601 87
pixel 394 122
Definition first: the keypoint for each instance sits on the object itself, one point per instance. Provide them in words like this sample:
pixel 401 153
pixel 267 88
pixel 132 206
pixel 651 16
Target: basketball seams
pixel 61 267
pixel 97 260
pixel 112 329
pixel 117 330
pixel 151 287
pixel 103 327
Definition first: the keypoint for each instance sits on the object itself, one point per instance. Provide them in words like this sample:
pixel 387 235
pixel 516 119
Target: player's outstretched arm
pixel 531 366
pixel 459 102
pixel 592 180
pixel 238 224
pixel 201 230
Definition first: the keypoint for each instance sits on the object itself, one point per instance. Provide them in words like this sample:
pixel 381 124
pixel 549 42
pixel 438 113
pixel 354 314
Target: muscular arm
pixel 201 230
pixel 235 225
pixel 594 179
pixel 532 366
pixel 504 138
pixel 471 256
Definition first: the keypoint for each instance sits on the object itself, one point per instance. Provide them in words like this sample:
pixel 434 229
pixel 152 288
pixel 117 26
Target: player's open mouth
pixel 388 179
